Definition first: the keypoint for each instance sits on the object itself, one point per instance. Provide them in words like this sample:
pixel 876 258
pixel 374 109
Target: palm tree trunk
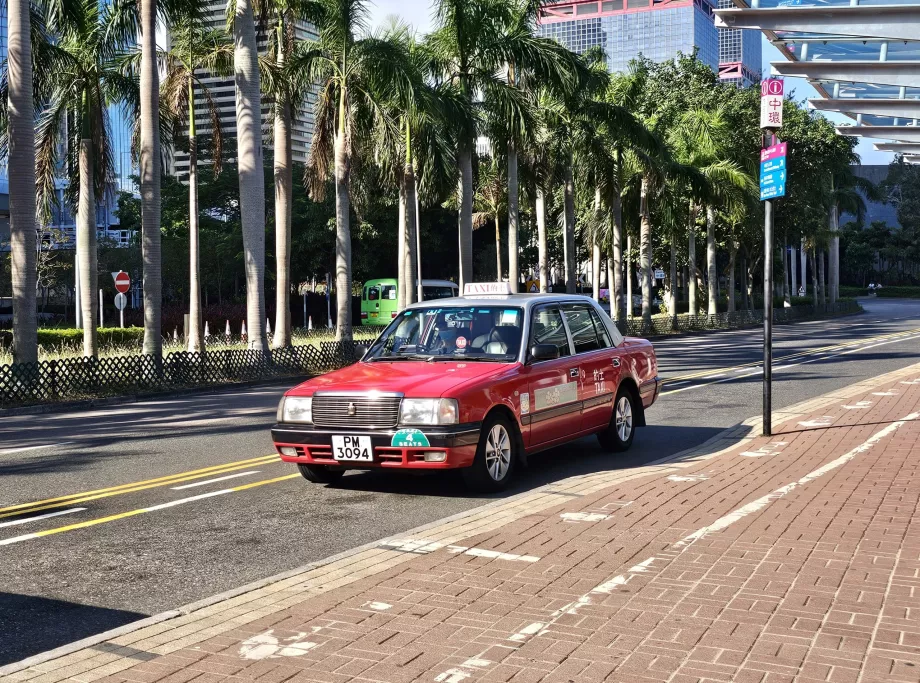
pixel 711 274
pixel 645 237
pixel 21 169
pixel 629 277
pixel 343 230
pixel 411 256
pixel 569 236
pixel 691 258
pixel 150 181
pixel 417 231
pixel 611 278
pixel 498 251
pixel 402 284
pixel 514 274
pixel 284 186
pixel 194 269
pixel 596 248
pixel 822 279
pixel 618 309
pixel 542 266
pixel 814 278
pixel 465 159
pixel 86 248
pixel 733 253
pixel 672 280
pixel 252 174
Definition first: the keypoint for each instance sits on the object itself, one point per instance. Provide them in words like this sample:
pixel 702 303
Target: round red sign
pixel 461 342
pixel 122 282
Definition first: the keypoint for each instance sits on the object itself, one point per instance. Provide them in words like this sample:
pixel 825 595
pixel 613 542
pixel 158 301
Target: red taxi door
pixel 555 410
pixel 598 364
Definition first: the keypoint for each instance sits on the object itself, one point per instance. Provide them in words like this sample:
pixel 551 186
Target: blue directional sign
pixel 773 172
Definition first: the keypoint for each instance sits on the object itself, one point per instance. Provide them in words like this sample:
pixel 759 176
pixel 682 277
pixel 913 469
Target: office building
pixel 656 29
pixel 223 93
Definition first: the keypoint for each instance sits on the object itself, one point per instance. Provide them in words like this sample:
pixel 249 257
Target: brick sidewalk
pixel 790 558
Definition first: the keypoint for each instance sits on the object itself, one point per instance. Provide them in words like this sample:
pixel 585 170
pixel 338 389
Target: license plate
pixel 352 448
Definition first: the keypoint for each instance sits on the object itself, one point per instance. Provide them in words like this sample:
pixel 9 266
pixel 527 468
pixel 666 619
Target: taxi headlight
pixel 296 409
pixel 429 411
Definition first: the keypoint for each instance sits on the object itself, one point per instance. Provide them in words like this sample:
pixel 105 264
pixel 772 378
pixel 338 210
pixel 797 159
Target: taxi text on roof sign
pixel 486 288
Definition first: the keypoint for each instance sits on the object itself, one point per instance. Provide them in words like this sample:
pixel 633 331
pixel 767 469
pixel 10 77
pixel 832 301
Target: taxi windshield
pixel 469 333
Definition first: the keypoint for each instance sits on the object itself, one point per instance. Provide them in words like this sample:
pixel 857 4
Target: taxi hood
pixel 413 378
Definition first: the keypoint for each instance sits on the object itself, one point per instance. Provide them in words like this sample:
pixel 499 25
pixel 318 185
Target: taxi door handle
pixel 573 372
pixel 616 362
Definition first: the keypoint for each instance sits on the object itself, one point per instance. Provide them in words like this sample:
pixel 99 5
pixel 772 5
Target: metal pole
pixel 305 310
pixel 121 318
pixel 768 319
pixel 101 321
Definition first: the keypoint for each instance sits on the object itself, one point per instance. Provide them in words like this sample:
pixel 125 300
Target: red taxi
pixel 477 382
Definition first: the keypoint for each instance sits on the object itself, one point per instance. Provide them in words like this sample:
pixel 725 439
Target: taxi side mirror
pixel 541 352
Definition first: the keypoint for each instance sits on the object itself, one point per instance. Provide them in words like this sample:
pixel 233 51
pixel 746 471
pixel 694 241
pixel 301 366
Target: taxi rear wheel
pixel 320 474
pixel 618 436
pixel 496 456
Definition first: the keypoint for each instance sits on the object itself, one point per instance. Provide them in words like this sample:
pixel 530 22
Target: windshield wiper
pixel 412 356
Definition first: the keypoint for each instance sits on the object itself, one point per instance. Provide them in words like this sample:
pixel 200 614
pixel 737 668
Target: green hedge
pixel 50 338
pixel 899 292
pixel 853 291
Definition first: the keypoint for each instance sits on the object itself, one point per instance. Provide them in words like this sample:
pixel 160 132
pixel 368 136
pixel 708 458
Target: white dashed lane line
pixel 35 519
pixel 213 481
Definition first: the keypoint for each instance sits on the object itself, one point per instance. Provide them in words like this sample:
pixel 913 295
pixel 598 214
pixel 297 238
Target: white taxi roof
pixel 522 300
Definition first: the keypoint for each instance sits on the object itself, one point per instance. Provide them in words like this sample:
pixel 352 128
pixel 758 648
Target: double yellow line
pixel 800 354
pixel 75 498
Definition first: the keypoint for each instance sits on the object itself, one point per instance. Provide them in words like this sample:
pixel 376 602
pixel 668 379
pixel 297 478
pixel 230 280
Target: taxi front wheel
pixel 618 436
pixel 496 456
pixel 320 474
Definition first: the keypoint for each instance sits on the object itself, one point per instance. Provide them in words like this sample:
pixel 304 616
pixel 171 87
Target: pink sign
pixel 773 152
pixel 771 86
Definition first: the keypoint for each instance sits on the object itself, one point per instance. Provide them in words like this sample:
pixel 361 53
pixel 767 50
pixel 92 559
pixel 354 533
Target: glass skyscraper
pixel 656 29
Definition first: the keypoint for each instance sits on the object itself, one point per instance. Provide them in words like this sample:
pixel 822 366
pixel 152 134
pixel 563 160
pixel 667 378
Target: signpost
pixel 122 285
pixel 773 171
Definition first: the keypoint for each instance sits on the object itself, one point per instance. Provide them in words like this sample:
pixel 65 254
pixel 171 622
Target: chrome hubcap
pixel 498 452
pixel 624 418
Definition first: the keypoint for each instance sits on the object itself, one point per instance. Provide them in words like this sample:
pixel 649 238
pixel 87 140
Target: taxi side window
pixel 585 329
pixel 547 327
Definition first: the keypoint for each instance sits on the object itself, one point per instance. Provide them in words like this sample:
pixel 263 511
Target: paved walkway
pixel 792 558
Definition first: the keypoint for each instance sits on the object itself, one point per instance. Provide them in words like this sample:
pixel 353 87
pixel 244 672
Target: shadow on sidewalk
pixel 30 625
pixel 582 457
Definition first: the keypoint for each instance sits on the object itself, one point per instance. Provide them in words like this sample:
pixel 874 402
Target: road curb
pixel 377 557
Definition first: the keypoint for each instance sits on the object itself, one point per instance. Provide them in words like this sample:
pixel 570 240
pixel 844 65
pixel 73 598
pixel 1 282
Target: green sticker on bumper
pixel 409 438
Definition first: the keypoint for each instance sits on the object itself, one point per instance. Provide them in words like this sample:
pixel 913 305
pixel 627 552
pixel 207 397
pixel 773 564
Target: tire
pixel 618 436
pixel 320 474
pixel 496 456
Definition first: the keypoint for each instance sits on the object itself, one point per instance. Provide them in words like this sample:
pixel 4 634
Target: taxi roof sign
pixel 487 289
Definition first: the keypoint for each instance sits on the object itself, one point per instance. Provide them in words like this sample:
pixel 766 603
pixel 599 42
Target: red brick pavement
pixel 754 566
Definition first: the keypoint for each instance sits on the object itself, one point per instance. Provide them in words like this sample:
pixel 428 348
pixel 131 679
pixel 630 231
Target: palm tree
pixel 249 163
pixel 489 203
pixel 352 74
pixel 78 78
pixel 195 51
pixel 21 167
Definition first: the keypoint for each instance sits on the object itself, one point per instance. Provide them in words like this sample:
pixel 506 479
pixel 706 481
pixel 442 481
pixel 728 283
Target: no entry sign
pixel 122 281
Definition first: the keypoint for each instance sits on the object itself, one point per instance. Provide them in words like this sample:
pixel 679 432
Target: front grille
pixel 370 412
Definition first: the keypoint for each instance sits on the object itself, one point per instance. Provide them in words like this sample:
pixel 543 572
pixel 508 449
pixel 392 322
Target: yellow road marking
pixel 131 513
pixel 71 499
pixel 799 354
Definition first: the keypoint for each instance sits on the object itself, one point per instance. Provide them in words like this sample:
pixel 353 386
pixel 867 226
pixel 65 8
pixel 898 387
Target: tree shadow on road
pixel 31 624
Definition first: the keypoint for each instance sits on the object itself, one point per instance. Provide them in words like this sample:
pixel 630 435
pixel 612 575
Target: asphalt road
pixel 132 526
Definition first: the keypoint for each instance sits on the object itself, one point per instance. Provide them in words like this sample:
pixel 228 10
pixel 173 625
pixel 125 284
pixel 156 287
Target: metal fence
pixel 665 325
pixel 84 378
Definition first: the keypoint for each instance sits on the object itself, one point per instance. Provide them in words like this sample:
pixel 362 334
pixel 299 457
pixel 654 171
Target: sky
pixel 419 14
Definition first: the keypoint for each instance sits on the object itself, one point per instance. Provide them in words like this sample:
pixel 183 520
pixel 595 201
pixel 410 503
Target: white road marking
pixel 677 384
pixel 491 554
pixel 644 567
pixel 884 393
pixel 452 676
pixel 478 663
pixel 418 546
pixel 772 448
pixel 190 499
pixel 267 646
pixel 860 405
pixel 212 481
pixel 583 517
pixel 823 421
pixel 377 606
pixel 884 343
pixel 10 451
pixel 913 381
pixel 687 477
pixel 35 519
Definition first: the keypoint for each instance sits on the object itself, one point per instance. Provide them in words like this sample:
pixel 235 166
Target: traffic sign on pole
pixel 771 103
pixel 122 281
pixel 773 172
pixel 120 302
